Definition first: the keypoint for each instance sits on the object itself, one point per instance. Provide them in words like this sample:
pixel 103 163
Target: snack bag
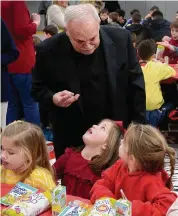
pixel 29 205
pixel 76 208
pixel 59 201
pixel 19 190
pixel 123 207
pixel 159 52
pixel 103 207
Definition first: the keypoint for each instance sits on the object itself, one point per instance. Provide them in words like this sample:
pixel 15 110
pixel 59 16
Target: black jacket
pixel 158 28
pixel 55 71
pixel 142 32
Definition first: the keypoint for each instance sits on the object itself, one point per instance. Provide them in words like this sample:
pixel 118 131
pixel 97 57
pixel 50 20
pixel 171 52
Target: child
pixel 173 57
pixel 113 19
pixel 121 20
pixel 154 73
pixel 24 156
pixel 81 168
pixel 104 16
pixel 139 173
pixel 50 30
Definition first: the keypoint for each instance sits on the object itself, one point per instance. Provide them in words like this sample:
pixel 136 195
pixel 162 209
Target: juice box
pixel 123 207
pixel 159 51
pixel 59 201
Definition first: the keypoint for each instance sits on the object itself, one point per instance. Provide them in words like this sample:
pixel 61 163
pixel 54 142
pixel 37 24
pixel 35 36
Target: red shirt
pixel 173 57
pixel 75 173
pixel 147 192
pixel 17 18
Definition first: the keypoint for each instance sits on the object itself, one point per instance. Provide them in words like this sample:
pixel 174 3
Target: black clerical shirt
pixel 94 86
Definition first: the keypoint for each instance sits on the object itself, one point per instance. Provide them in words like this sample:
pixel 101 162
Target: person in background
pixel 173 42
pixel 24 156
pixel 97 4
pixel 22 27
pixel 141 31
pixel 149 15
pixel 50 31
pixel 112 6
pixel 113 19
pixel 104 16
pixel 154 72
pixel 140 174
pixel 36 41
pixel 159 27
pixel 134 39
pixel 9 53
pixel 79 168
pixel 43 7
pixel 121 20
pixel 87 74
pixel 177 15
pixel 129 21
pixel 55 14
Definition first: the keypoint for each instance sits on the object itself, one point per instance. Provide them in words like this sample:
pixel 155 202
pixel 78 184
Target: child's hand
pixel 166 44
pixel 166 38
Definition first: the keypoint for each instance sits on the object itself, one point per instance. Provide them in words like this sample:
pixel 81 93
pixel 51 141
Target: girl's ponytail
pixel 171 153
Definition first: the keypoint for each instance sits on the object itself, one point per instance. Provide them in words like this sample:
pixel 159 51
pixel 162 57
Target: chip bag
pixel 29 205
pixel 103 207
pixel 159 52
pixel 19 190
pixel 76 208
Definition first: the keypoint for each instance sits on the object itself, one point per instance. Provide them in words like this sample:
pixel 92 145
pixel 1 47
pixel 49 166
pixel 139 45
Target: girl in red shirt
pixel 80 168
pixel 140 173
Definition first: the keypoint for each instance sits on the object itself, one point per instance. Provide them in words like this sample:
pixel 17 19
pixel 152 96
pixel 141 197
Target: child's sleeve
pixel 105 186
pixel 166 72
pixel 60 164
pixel 159 201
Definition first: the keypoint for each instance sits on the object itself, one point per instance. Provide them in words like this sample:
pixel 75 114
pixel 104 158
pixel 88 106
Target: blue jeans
pixel 20 100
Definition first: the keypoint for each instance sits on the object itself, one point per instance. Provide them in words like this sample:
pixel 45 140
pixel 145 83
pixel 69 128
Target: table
pixel 5 188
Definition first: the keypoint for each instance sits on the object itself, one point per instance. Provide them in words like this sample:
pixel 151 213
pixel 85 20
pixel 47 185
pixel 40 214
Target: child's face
pixel 11 155
pixel 97 134
pixel 174 33
pixel 103 16
pixel 123 151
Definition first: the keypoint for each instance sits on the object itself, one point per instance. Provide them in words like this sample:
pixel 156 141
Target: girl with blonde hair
pixel 24 156
pixel 80 168
pixel 140 174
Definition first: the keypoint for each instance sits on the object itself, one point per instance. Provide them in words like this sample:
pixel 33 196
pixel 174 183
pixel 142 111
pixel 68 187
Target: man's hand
pixel 64 98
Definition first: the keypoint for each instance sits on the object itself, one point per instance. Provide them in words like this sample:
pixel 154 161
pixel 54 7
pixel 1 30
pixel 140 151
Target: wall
pixel 169 8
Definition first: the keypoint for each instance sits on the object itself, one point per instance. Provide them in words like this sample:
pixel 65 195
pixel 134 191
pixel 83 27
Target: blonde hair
pixel 149 148
pixel 30 139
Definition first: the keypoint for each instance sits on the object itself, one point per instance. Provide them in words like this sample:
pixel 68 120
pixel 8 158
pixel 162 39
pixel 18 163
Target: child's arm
pixel 60 164
pixel 105 186
pixel 166 72
pixel 159 201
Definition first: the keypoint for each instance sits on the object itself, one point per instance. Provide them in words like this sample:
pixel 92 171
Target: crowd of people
pixel 95 81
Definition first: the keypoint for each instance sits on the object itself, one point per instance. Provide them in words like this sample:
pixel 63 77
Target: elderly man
pixel 87 74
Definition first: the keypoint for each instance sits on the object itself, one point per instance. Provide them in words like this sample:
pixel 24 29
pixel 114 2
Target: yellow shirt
pixel 154 72
pixel 40 178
